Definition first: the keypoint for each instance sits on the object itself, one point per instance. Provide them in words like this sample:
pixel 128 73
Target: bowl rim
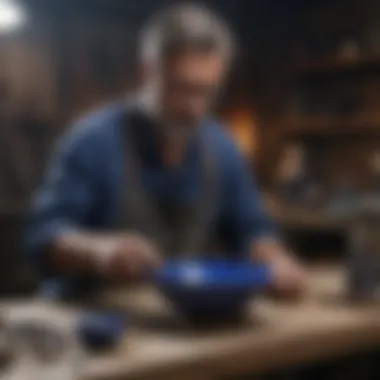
pixel 226 275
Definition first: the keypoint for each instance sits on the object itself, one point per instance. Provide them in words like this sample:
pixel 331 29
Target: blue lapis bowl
pixel 97 331
pixel 212 290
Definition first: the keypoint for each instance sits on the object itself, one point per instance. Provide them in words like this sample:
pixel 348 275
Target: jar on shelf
pixel 364 251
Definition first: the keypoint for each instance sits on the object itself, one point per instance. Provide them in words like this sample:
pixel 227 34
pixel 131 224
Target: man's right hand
pixel 117 256
pixel 125 256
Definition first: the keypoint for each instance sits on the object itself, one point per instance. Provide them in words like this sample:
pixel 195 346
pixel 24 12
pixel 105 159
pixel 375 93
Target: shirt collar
pixel 145 131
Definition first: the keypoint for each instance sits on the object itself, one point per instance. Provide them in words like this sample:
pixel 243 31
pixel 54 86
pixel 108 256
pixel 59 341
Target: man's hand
pixel 117 256
pixel 290 277
pixel 125 256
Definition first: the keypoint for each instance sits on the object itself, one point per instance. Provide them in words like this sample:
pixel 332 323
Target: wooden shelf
pixel 303 217
pixel 333 126
pixel 333 65
pixel 309 220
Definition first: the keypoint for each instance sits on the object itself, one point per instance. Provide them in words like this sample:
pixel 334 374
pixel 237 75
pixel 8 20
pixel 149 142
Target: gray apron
pixel 177 229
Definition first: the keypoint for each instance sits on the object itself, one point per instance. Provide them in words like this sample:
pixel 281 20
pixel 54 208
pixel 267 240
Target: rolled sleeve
pixel 64 199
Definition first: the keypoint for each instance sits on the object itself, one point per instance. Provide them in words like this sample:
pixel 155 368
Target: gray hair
pixel 186 27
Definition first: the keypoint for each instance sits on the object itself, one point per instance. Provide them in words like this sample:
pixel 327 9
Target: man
pixel 136 182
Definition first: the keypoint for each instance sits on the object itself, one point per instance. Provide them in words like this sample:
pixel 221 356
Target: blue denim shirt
pixel 84 185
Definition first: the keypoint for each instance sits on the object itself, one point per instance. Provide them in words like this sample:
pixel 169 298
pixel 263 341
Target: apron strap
pixel 140 209
pixel 196 235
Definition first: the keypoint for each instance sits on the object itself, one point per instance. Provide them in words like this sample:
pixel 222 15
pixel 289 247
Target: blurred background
pixel 302 102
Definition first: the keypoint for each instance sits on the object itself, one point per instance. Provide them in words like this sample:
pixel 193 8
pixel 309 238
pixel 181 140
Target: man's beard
pixel 172 129
pixel 179 133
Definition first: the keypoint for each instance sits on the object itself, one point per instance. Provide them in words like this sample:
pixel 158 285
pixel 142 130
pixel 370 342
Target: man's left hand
pixel 289 275
pixel 290 278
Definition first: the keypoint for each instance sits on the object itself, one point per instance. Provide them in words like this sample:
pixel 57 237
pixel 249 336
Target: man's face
pixel 186 90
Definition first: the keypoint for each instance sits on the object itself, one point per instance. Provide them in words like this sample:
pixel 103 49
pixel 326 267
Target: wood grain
pixel 323 325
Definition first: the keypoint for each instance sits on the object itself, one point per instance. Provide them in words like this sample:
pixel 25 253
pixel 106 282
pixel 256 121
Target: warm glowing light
pixel 243 128
pixel 12 16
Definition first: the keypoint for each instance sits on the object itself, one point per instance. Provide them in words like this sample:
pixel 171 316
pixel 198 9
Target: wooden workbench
pixel 322 326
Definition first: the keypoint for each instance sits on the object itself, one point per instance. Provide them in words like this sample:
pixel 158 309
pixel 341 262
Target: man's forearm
pixel 74 252
pixel 114 255
pixel 267 248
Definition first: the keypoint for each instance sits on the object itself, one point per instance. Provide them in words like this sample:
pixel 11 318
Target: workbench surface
pixel 321 326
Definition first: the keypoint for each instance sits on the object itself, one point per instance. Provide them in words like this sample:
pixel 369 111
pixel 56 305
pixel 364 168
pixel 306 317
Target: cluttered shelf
pixel 336 65
pixel 349 126
pixel 309 218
